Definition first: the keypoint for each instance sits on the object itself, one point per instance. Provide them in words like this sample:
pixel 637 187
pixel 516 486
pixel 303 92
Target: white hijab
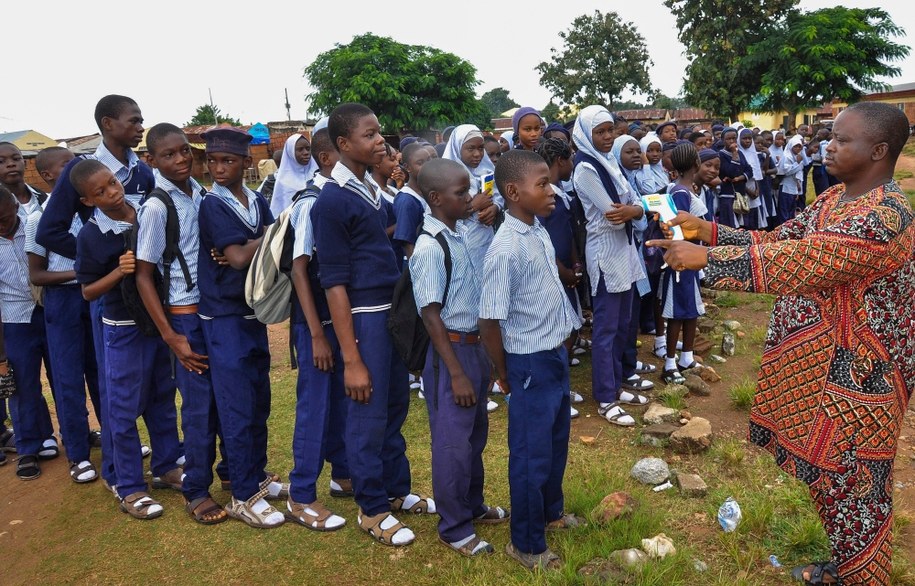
pixel 312 169
pixel 588 119
pixel 776 152
pixel 291 177
pixel 459 136
pixel 750 154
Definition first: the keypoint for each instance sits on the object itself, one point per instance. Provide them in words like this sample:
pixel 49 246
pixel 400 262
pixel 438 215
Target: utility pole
pixel 288 112
pixel 213 108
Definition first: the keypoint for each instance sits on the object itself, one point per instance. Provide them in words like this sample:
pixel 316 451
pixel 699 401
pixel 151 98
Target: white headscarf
pixel 459 136
pixel 290 177
pixel 750 154
pixel 649 138
pixel 509 136
pixel 588 119
pixel 312 169
pixel 776 152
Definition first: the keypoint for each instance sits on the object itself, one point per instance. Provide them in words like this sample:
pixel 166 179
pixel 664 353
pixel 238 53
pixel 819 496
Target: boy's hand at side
pixel 127 263
pixel 219 257
pixel 487 216
pixel 462 391
pixel 321 353
pixel 357 381
pixel 188 358
pixel 568 276
pixel 622 213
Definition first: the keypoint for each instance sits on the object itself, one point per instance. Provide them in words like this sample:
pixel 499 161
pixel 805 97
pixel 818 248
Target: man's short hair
pixel 514 165
pixel 884 123
pixel 111 106
pixel 158 132
pixel 46 156
pixel 82 171
pixel 344 119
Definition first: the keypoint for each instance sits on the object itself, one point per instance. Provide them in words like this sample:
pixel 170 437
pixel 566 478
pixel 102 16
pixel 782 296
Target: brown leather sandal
pixel 372 526
pixel 423 506
pixel 206 511
pixel 315 516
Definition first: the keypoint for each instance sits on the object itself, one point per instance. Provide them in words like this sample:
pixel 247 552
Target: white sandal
pixel 266 518
pixel 615 414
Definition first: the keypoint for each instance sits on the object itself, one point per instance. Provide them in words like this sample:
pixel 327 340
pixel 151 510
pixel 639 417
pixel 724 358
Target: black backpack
pixel 409 335
pixel 129 292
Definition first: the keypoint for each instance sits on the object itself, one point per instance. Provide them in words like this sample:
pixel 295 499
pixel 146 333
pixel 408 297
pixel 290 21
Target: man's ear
pixel 434 198
pixel 879 151
pixel 511 191
pixel 342 144
pixel 85 202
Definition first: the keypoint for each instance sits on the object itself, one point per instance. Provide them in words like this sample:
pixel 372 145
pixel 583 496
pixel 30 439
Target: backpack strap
pixel 440 237
pixel 172 249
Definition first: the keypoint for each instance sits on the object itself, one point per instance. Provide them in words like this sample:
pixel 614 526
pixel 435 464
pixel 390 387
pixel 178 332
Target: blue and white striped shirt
pixel 16 303
pixel 151 221
pixel 302 227
pixel 608 250
pixel 250 215
pixel 56 262
pixel 106 224
pixel 343 175
pixel 30 207
pixel 427 270
pixel 521 289
pixel 122 172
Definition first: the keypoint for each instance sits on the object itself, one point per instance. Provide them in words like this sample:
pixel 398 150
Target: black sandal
pixel 819 572
pixel 692 364
pixel 672 377
pixel 27 468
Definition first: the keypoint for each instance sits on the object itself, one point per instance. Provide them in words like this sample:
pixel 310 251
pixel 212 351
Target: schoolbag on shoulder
pixel 408 332
pixel 268 286
pixel 172 251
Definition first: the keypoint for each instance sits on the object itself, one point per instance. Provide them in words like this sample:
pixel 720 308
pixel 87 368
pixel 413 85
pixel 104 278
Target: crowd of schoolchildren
pixel 510 243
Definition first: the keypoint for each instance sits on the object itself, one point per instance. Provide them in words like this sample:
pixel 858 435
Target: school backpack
pixel 409 335
pixel 268 286
pixel 129 292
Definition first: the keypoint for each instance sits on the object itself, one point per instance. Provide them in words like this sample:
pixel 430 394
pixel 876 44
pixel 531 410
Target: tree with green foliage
pixel 717 36
pixel 601 58
pixel 834 53
pixel 498 101
pixel 207 114
pixel 551 112
pixel 409 87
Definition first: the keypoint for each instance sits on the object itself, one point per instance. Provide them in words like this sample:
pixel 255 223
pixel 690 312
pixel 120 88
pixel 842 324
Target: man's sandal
pixel 615 414
pixel 630 398
pixel 532 561
pixel 420 504
pixel 692 364
pixel 83 472
pixel 566 521
pixel 140 505
pixel 493 516
pixel 385 535
pixel 266 518
pixel 49 449
pixel 472 548
pixel 637 383
pixel 206 511
pixel 173 479
pixel 27 468
pixel 672 377
pixel 315 516
pixel 275 489
pixel 8 441
pixel 818 572
pixel 645 368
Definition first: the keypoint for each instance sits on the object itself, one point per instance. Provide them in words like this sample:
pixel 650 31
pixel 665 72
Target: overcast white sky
pixel 168 54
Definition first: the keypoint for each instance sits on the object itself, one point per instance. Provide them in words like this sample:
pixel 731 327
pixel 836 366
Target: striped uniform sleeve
pixel 151 221
pixel 304 243
pixel 427 270
pixel 495 299
pixel 31 231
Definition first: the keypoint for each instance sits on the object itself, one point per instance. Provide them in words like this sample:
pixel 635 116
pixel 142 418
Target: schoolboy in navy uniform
pixel 358 273
pixel 24 333
pixel 320 411
pixel 137 375
pixel 121 124
pixel 69 331
pixel 525 317
pixel 171 157
pixel 409 205
pixel 457 369
pixel 232 221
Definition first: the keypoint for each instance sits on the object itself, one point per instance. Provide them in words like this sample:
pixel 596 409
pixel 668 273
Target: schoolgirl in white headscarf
pixel 651 178
pixel 291 177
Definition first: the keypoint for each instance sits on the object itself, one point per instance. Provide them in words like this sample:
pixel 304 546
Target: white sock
pixel 88 473
pixel 462 542
pixel 686 358
pixel 411 499
pixel 403 535
pixel 274 488
pixel 273 518
pixel 660 341
pixel 670 363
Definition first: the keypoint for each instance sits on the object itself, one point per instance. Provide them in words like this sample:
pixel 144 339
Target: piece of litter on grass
pixel 2 533
pixel 586 439
pixel 16 522
pixel 664 486
pixel 774 561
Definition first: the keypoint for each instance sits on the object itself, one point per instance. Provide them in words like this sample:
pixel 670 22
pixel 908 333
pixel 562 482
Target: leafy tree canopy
pixel 717 36
pixel 601 58
pixel 833 53
pixel 207 114
pixel 409 87
pixel 498 101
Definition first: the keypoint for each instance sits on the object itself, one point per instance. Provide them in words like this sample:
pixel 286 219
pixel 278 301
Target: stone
pixel 706 325
pixel 691 485
pixel 604 571
pixel 675 390
pixel 692 438
pixel 629 558
pixel 741 334
pixel 658 413
pixel 709 374
pixel 731 325
pixel 707 293
pixel 657 435
pixel 685 414
pixel 700 566
pixel 712 310
pixel 614 506
pixel 659 546
pixel 697 386
pixel 728 344
pixel 716 359
pixel 650 471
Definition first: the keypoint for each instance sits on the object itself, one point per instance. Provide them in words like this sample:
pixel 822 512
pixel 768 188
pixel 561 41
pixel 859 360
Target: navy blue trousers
pixel 610 336
pixel 107 471
pixel 458 439
pixel 239 358
pixel 375 446
pixel 320 417
pixel 69 329
pixel 199 419
pixel 726 215
pixel 787 206
pixel 25 348
pixel 538 443
pixel 630 352
pixel 138 380
pixel 820 179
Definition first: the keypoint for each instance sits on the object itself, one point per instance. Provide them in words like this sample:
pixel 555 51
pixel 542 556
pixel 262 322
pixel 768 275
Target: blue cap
pixel 227 139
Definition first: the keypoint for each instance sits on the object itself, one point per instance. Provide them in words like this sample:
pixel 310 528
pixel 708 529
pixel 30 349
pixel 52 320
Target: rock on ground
pixel 657 435
pixel 691 485
pixel 650 471
pixel 658 413
pixel 613 506
pixel 697 386
pixel 692 438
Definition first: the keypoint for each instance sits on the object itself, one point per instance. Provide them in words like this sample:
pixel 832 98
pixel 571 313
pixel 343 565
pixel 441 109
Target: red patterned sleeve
pixel 853 247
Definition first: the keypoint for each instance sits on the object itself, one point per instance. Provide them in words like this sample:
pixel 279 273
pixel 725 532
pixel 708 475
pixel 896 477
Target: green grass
pixel 741 394
pixel 728 299
pixel 671 398
pixel 903 174
pixel 910 194
pixel 909 148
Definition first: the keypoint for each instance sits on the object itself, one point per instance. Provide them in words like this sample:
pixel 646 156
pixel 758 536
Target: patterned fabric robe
pixel 838 366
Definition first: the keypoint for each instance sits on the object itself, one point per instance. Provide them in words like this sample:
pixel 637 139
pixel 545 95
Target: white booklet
pixel 663 205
